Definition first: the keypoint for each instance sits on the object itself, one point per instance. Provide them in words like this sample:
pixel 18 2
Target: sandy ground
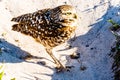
pixel 93 42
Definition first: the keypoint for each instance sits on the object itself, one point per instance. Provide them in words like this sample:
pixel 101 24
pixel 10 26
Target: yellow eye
pixel 69 13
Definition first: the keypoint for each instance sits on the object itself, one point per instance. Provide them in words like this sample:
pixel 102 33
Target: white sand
pixel 97 36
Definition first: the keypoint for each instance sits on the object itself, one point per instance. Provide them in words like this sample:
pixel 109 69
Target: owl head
pixel 64 15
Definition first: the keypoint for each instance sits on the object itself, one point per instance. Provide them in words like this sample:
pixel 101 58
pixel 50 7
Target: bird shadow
pixel 10 53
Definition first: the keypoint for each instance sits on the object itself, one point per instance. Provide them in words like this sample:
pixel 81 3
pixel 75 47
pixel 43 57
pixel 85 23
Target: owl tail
pixel 18 19
pixel 16 27
pixel 15 19
pixel 20 28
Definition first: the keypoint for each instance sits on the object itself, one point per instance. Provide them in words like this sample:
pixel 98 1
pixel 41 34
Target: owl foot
pixel 61 68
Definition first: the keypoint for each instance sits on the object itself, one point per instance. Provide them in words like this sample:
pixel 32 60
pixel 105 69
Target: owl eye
pixel 68 13
pixel 64 13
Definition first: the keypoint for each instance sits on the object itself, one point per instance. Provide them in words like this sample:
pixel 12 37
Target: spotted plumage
pixel 50 27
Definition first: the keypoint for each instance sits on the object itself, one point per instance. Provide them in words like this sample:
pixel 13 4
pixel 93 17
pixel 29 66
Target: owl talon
pixel 61 68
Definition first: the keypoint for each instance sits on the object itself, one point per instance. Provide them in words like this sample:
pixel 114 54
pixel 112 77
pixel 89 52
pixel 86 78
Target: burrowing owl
pixel 50 27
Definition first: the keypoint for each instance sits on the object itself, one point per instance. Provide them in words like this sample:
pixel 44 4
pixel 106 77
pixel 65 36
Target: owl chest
pixel 53 38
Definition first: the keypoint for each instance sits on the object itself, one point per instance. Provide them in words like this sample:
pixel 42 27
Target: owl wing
pixel 33 24
pixel 30 17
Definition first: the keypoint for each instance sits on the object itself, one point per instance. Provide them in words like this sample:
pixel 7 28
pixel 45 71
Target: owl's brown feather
pixel 50 27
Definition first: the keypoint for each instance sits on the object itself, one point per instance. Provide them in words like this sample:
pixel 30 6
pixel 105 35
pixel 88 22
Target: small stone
pixel 83 68
pixel 91 48
pixel 75 56
pixel 16 40
pixel 3 34
pixel 87 45
pixel 113 49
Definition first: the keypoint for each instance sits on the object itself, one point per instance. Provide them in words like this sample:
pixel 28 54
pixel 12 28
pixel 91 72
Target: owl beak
pixel 75 16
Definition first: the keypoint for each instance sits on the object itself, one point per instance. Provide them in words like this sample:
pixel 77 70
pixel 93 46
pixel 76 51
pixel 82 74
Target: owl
pixel 50 27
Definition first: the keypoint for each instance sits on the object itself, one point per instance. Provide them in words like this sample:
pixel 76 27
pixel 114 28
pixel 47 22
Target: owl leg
pixel 59 67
